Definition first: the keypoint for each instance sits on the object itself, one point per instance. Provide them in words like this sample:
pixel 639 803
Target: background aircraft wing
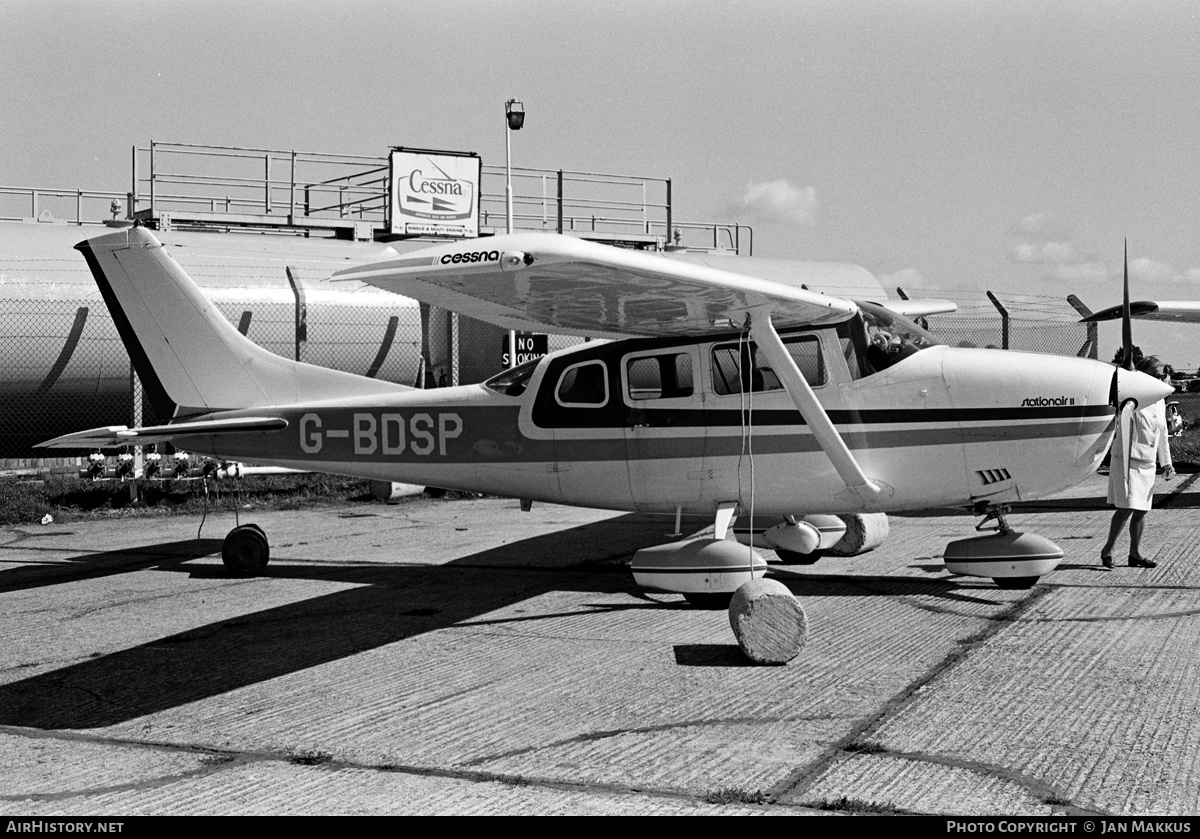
pixel 1185 311
pixel 564 285
pixel 918 308
pixel 121 435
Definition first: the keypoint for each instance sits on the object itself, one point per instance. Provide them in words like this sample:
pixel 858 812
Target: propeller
pixel 1126 327
pixel 1130 389
pixel 1126 408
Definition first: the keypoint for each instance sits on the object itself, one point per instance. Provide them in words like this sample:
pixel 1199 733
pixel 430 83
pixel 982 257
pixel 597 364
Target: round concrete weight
pixel 769 623
pixel 864 531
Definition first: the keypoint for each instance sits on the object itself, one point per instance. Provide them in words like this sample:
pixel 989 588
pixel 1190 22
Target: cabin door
pixel 664 426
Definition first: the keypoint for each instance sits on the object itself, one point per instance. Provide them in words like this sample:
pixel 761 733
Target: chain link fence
pixel 1025 323
pixel 63 367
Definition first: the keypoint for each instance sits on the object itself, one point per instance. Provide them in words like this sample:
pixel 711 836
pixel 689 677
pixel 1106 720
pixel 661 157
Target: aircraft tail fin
pixel 1080 306
pixel 190 359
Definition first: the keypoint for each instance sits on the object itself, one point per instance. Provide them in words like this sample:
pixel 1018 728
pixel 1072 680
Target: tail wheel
pixel 246 551
pixel 1015 583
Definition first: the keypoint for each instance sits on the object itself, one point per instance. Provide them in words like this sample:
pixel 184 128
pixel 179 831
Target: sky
pixel 1011 145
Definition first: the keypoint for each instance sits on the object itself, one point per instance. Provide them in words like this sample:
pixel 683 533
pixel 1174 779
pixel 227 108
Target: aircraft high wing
pixel 1180 311
pixel 540 281
pixel 918 308
pixel 722 394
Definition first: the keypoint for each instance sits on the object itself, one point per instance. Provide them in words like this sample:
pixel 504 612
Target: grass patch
pixel 310 757
pixel 216 760
pixel 858 806
pixel 865 748
pixel 68 498
pixel 735 795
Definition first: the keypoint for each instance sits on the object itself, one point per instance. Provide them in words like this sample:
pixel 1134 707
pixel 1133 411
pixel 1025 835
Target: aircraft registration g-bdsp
pixel 724 394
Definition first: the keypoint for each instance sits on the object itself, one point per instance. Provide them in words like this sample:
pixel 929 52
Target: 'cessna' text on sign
pixel 387 433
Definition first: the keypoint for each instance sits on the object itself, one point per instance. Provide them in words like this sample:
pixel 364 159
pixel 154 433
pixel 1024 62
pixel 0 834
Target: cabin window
pixel 584 385
pixel 665 376
pixel 754 373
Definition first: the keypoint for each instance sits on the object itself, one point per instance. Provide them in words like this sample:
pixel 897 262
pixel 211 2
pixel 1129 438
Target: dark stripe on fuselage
pixel 490 434
pixel 68 350
pixel 621 416
pixel 389 335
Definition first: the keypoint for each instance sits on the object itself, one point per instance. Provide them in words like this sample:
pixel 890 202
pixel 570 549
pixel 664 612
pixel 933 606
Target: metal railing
pixel 63 206
pixel 584 202
pixel 272 186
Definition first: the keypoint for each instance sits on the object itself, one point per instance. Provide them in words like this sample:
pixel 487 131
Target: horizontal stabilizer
pixel 123 435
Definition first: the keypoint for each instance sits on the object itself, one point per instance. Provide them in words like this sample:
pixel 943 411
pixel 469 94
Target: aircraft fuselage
pixel 656 424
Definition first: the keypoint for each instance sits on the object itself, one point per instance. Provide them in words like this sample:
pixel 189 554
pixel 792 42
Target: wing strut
pixel 831 442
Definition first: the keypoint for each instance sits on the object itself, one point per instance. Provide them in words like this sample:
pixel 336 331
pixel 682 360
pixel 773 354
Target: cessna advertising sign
pixel 434 193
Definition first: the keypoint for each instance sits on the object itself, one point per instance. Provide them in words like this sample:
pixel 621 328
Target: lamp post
pixel 514 114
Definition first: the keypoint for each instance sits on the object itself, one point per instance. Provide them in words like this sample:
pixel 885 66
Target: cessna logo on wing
pixel 1043 401
pixel 436 196
pixel 473 256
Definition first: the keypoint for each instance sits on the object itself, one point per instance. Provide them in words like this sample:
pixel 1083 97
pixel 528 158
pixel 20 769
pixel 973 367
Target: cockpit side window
pixel 740 367
pixel 513 382
pixel 583 386
pixel 881 338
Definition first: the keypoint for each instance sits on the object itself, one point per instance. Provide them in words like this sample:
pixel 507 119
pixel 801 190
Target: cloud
pixel 1147 270
pixel 904 278
pixel 1044 240
pixel 1053 253
pixel 1042 227
pixel 1080 272
pixel 779 201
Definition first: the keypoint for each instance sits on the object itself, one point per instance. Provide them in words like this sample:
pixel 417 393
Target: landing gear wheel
pixel 246 551
pixel 708 600
pixel 794 558
pixel 1015 583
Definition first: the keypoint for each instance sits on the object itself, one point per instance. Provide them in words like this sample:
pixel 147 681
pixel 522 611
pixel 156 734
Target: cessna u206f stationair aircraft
pixel 723 394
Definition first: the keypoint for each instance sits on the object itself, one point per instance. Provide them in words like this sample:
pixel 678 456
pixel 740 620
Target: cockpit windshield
pixel 514 381
pixel 877 338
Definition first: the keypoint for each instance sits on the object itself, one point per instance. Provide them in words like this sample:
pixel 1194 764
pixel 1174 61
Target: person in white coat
pixel 1132 499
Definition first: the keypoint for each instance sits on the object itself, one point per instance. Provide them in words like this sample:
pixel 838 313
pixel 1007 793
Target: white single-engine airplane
pixel 724 394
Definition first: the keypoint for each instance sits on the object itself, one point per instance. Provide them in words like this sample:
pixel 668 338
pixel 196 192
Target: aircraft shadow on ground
pixel 387 604
pixel 92 566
